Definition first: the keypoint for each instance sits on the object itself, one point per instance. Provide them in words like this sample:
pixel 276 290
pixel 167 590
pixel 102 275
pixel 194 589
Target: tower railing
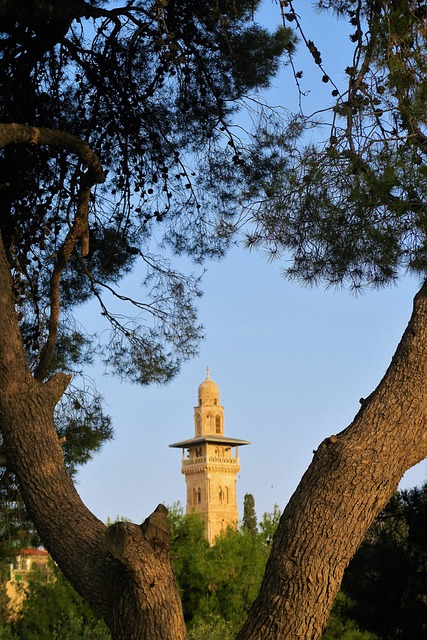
pixel 215 459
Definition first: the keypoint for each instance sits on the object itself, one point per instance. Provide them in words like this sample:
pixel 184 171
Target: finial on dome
pixel 208 373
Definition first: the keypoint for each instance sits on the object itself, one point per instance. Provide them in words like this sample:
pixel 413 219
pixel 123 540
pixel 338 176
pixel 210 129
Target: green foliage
pixel 234 574
pixel 118 518
pixel 269 523
pixel 190 553
pixel 211 628
pixel 350 207
pixel 53 610
pixel 71 627
pixel 218 583
pixel 387 579
pixel 249 522
pixel 383 589
pixel 341 627
pixel 81 420
pixel 16 529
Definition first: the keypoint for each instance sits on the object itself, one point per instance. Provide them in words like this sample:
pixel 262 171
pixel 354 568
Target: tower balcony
pixel 202 460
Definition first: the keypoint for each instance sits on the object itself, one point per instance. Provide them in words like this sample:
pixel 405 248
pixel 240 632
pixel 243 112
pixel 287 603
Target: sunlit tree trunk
pixel 123 571
pixel 352 476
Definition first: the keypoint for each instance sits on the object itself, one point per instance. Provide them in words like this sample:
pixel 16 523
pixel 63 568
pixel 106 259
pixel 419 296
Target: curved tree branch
pixel 23 134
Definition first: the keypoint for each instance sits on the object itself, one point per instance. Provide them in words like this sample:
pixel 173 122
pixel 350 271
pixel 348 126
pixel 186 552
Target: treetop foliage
pixel 218 582
pixel 249 522
pixel 350 207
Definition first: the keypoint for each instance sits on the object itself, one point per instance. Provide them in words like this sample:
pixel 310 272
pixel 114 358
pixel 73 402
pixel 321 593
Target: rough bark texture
pixel 352 476
pixel 132 584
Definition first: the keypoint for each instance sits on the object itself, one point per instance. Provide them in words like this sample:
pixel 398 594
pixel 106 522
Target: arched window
pixel 215 400
pixel 226 495
pixel 199 496
pixel 198 425
pixel 221 495
pixel 218 424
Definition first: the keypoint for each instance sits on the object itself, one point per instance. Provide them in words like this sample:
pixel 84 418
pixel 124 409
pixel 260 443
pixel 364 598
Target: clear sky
pixel 291 363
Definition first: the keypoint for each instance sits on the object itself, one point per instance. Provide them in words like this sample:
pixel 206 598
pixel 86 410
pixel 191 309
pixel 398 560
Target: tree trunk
pixel 123 571
pixel 351 478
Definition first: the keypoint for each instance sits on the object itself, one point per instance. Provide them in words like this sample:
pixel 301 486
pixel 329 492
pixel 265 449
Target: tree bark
pixel 125 574
pixel 351 478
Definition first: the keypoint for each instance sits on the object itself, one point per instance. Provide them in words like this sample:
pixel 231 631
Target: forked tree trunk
pixel 123 571
pixel 351 478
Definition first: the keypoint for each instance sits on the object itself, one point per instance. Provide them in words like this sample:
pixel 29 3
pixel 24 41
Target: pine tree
pixel 249 523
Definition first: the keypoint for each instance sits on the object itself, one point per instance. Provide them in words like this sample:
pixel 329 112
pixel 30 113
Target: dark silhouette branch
pixel 23 134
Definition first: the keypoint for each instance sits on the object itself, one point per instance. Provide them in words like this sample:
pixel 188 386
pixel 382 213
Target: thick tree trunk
pixel 352 476
pixel 123 571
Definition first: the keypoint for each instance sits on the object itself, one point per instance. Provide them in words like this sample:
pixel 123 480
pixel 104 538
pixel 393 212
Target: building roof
pixel 214 439
pixel 34 552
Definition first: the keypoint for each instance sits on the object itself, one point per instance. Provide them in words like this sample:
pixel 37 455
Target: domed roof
pixel 208 391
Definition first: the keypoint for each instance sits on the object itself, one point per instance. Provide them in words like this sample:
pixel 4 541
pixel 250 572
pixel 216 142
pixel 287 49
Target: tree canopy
pixel 152 89
pixel 349 208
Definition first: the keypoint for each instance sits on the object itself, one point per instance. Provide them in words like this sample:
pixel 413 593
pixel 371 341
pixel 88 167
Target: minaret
pixel 211 466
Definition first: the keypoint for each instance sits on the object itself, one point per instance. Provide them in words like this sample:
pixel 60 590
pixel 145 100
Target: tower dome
pixel 208 392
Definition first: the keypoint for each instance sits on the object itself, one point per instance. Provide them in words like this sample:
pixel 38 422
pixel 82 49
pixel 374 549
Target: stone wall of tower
pixel 210 473
pixel 208 420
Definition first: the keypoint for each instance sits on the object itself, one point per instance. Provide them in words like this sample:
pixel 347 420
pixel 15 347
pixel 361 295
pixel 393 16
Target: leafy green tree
pixel 53 609
pixel 218 583
pixel 190 557
pixel 237 564
pixel 269 523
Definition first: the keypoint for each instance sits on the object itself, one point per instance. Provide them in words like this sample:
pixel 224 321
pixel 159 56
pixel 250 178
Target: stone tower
pixel 211 464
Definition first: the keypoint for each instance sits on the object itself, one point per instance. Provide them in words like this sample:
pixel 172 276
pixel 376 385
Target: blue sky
pixel 291 363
